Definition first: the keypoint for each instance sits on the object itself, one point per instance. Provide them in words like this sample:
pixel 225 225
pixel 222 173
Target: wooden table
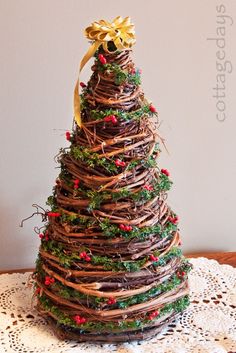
pixel 228 258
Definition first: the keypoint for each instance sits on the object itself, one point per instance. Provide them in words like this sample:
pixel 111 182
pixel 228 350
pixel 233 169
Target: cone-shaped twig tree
pixel 110 267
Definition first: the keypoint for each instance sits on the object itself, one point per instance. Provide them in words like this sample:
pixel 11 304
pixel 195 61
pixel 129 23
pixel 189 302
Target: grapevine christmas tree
pixel 110 267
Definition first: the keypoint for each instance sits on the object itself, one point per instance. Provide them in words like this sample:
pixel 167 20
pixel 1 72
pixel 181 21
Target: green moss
pixel 121 114
pixel 120 76
pixel 111 230
pixel 177 306
pixel 92 159
pixel 110 264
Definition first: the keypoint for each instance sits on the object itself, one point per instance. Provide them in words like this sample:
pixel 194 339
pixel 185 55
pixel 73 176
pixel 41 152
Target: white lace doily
pixel 208 325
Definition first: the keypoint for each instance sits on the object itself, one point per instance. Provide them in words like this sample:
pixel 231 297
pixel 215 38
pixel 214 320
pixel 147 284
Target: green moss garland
pixel 97 302
pixel 63 319
pixel 122 115
pixel 57 249
pixel 163 184
pixel 111 230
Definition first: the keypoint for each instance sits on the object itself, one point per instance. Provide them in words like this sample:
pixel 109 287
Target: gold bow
pixel 120 31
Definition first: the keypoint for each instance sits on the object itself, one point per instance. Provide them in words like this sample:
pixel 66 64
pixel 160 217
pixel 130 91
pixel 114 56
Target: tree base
pixel 65 332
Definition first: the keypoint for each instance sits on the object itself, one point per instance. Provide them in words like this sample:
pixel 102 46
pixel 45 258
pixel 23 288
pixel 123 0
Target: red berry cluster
pixel 111 118
pixel 82 84
pixel 37 291
pixel 181 274
pixel 111 301
pixel 102 59
pixel 153 315
pixel 165 171
pixel 53 214
pixel 125 227
pixel 133 71
pixel 173 220
pixel 119 163
pixel 44 236
pixel 68 135
pixel 152 109
pixel 83 255
pixel 76 183
pixel 153 258
pixel 148 187
pixel 79 319
pixel 49 280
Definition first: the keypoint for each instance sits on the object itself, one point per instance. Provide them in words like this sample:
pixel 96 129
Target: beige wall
pixel 41 44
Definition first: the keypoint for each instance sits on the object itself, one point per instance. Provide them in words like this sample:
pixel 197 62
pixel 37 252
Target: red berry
pixel 148 187
pixel 153 258
pixel 153 315
pixel 68 135
pixel 38 290
pixel 82 84
pixel 111 301
pixel 178 274
pixel 183 273
pixel 53 214
pixel 122 226
pixel 41 235
pixel 76 183
pixel 102 59
pixel 87 258
pixel 77 319
pixel 152 109
pixel 133 71
pixel 111 118
pixel 82 255
pixel 165 171
pixel 107 118
pixel 125 227
pixel 119 163
pixel 49 280
pixel 174 220
pixel 114 119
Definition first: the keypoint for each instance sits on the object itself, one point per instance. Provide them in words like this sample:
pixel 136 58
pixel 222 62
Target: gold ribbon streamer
pixel 120 31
